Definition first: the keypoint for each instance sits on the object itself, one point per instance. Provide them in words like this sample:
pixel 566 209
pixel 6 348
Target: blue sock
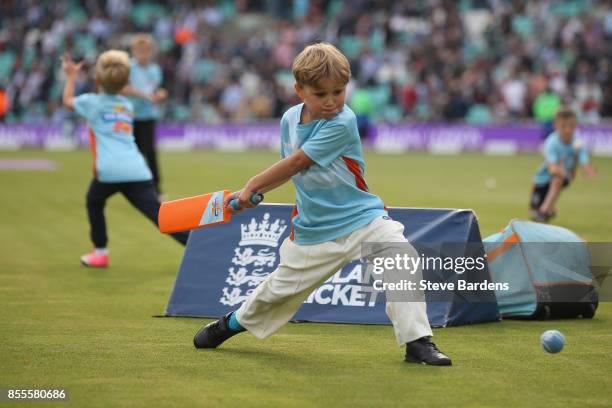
pixel 234 325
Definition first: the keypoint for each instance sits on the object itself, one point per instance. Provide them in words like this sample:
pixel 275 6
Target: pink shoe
pixel 94 260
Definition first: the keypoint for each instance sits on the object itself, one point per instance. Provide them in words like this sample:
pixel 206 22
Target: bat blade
pixel 193 212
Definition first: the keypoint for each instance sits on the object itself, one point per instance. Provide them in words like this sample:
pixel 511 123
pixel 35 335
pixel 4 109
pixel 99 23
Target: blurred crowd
pixel 478 61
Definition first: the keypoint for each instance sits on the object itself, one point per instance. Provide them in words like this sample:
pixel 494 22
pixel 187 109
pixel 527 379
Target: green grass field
pixel 92 331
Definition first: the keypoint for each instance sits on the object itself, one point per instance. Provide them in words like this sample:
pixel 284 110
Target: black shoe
pixel 213 334
pixel 423 351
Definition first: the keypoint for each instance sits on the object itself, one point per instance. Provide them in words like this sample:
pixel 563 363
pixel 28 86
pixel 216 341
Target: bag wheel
pixel 589 310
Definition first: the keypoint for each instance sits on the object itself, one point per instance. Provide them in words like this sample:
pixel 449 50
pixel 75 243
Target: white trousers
pixel 303 268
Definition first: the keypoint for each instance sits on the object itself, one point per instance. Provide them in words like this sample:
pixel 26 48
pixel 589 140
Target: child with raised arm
pixel 563 152
pixel 118 165
pixel 335 213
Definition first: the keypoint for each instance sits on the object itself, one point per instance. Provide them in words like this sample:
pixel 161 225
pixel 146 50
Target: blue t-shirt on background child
pixel 145 79
pixel 556 151
pixel 116 156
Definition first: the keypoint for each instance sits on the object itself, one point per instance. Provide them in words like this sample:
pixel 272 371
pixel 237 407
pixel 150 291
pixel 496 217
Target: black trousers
pixel 141 194
pixel 538 194
pixel 144 133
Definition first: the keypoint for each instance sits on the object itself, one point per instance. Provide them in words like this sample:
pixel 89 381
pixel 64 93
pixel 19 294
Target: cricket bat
pixel 198 212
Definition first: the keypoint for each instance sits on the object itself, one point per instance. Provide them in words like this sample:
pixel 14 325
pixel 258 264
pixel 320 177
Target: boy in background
pixel 144 90
pixel 563 152
pixel 118 165
pixel 335 213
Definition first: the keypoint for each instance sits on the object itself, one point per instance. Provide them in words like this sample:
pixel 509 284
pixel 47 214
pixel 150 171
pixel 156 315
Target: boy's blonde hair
pixel 320 61
pixel 143 39
pixel 113 70
pixel 565 112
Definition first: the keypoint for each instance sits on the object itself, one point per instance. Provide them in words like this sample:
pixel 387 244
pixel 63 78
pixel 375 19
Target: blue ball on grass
pixel 552 341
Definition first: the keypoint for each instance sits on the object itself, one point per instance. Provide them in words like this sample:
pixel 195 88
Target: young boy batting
pixel 321 152
pixel 144 91
pixel 118 165
pixel 563 152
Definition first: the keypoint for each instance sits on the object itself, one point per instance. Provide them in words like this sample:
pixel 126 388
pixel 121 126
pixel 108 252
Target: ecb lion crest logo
pixel 254 258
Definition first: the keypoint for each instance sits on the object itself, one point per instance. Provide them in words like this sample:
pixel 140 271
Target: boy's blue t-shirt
pixel 146 79
pixel 556 151
pixel 332 195
pixel 116 156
